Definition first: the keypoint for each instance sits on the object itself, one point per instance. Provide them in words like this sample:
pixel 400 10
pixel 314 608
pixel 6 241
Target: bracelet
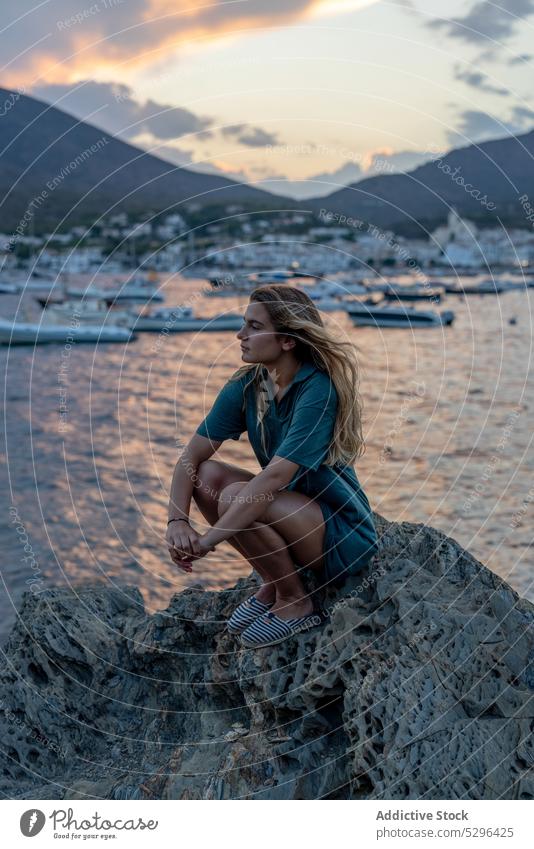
pixel 178 519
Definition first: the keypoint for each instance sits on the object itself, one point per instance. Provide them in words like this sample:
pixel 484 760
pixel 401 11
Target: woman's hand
pixel 182 541
pixel 204 547
pixel 185 545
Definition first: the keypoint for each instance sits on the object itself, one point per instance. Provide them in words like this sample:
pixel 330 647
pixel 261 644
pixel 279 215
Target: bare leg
pixel 213 477
pixel 273 553
pixel 302 521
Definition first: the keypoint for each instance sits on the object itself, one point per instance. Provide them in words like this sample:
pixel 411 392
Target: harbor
pixel 446 418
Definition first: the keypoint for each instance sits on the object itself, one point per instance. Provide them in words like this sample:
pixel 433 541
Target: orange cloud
pixel 108 35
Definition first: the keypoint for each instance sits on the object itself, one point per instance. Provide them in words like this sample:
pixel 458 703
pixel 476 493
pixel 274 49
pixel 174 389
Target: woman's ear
pixel 288 343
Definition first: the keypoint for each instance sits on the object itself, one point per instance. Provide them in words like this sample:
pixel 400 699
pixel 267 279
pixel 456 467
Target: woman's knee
pixel 207 480
pixel 229 494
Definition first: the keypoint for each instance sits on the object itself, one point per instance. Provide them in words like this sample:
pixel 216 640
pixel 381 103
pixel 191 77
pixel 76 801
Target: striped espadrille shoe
pixel 269 629
pixel 246 613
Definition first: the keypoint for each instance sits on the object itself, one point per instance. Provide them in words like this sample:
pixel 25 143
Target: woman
pixel 297 397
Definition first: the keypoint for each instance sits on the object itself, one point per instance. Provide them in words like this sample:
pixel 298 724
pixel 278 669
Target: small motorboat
pixel 31 333
pixel 413 293
pixel 42 285
pixel 365 314
pixel 88 311
pixel 9 288
pixel 484 287
pixel 183 320
pixel 275 276
pixel 138 289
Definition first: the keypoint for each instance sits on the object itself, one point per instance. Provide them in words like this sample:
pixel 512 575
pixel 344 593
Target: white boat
pixel 413 293
pixel 230 285
pixel 9 288
pixel 30 333
pixel 499 286
pixel 344 287
pixel 138 289
pixel 42 285
pixel 484 287
pixel 375 315
pixel 182 320
pixel 274 276
pixel 88 311
pixel 326 304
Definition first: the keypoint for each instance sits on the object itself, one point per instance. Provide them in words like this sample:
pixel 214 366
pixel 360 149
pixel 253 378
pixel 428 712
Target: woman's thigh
pixel 300 521
pixel 212 477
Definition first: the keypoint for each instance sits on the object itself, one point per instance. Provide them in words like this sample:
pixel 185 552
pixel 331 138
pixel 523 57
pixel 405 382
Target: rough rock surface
pixel 419 686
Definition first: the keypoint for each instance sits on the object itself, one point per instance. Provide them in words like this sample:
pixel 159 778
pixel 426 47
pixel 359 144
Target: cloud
pixel 325 182
pixel 519 60
pixel 63 42
pixel 485 21
pixel 250 136
pixel 113 108
pixel 478 80
pixel 389 162
pixel 475 126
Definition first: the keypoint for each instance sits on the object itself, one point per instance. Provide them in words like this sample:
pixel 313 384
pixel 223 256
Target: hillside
pixel 91 172
pixel 495 174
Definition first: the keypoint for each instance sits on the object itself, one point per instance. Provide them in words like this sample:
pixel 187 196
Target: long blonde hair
pixel 293 313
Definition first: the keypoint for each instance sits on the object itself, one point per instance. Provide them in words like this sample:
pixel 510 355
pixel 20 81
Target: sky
pixel 298 97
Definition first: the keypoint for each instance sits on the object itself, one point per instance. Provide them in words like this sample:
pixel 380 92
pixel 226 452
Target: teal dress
pixel 299 427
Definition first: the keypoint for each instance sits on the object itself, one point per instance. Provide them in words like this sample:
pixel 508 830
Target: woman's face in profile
pixel 259 341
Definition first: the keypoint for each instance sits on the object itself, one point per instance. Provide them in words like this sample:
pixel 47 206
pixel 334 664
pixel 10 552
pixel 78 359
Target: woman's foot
pixel 245 614
pixel 266 594
pixel 292 608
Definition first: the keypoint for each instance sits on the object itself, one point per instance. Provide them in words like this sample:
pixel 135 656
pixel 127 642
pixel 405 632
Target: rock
pixel 419 685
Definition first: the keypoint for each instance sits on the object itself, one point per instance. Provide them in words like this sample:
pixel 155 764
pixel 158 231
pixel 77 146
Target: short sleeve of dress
pixel 226 419
pixel 309 436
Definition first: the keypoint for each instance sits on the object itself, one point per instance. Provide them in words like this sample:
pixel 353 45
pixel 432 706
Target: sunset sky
pixel 266 90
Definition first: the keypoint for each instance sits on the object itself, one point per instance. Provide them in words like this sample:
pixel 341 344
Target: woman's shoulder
pixel 319 385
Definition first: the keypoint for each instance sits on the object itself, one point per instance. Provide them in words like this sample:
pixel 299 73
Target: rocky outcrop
pixel 419 685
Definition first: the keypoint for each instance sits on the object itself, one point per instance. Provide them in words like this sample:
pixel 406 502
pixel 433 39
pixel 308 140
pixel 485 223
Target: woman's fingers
pixel 185 565
pixel 195 545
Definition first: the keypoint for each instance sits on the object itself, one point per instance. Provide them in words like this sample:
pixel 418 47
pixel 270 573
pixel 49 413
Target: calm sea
pixel 448 424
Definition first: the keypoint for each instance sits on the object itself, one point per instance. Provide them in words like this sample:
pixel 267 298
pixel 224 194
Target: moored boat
pixel 183 320
pixel 374 315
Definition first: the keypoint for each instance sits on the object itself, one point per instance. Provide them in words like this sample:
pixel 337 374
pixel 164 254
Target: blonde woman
pixel 297 398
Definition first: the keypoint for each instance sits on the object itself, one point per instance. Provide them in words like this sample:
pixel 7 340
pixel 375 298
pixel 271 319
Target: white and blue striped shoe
pixel 246 613
pixel 269 629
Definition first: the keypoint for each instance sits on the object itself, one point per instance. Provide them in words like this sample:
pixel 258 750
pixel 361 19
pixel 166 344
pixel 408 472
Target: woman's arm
pixel 183 541
pixel 198 449
pixel 249 505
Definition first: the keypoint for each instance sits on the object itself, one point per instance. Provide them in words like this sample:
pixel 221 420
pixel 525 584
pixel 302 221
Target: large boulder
pixel 419 685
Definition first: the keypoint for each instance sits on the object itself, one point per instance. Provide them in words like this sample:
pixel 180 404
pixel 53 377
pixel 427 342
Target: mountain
pixel 495 175
pixel 53 165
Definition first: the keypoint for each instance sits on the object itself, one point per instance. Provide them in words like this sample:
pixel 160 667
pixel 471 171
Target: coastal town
pixel 319 244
